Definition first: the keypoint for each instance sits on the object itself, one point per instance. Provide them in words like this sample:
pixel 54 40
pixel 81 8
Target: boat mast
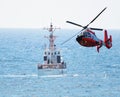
pixel 51 37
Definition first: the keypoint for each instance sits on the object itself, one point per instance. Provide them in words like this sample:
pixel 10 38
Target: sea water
pixel 89 73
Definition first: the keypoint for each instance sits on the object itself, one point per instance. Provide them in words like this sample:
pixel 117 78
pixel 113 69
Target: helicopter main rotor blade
pixel 97 16
pixel 96 29
pixel 75 24
pixel 71 37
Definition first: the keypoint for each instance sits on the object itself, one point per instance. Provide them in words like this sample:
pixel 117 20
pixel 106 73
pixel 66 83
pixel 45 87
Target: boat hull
pixel 46 72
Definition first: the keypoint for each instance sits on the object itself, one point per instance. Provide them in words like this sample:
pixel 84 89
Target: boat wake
pixel 103 75
pixel 18 76
pixel 36 75
pixel 60 75
pixel 53 76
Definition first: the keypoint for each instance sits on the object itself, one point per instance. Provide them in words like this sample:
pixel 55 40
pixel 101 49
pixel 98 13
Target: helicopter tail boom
pixel 107 41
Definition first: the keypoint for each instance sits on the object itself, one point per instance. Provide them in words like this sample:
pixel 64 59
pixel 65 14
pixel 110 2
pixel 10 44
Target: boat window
pixel 45 53
pixel 58 59
pixel 58 52
pixel 48 53
pixel 55 53
pixel 45 58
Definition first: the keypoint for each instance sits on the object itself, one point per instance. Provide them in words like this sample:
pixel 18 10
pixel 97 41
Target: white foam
pixel 35 75
pixel 75 75
pixel 54 76
pixel 60 75
pixel 18 76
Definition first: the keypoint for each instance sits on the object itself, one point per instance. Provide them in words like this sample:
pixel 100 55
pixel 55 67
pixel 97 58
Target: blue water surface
pixel 89 74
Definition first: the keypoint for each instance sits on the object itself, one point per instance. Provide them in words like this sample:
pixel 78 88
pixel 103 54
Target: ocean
pixel 88 73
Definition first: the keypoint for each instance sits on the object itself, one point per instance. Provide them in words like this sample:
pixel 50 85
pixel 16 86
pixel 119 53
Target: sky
pixel 40 13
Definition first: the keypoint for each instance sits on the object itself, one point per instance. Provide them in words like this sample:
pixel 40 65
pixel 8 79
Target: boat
pixel 52 55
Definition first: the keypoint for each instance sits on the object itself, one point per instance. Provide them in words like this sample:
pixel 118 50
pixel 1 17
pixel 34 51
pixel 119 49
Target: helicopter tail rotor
pixel 107 41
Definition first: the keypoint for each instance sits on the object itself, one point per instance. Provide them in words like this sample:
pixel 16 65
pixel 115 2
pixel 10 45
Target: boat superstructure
pixel 52 56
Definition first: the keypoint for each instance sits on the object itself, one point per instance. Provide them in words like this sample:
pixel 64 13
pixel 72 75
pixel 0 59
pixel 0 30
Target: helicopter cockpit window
pixel 87 34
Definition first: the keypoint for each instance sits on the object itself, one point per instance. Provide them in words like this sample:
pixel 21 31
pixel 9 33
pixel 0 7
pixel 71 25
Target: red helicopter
pixel 88 38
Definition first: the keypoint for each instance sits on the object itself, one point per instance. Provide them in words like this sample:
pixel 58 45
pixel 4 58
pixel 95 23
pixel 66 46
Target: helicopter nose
pixel 79 38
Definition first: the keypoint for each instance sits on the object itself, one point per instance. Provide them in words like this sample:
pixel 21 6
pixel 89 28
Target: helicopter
pixel 87 37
